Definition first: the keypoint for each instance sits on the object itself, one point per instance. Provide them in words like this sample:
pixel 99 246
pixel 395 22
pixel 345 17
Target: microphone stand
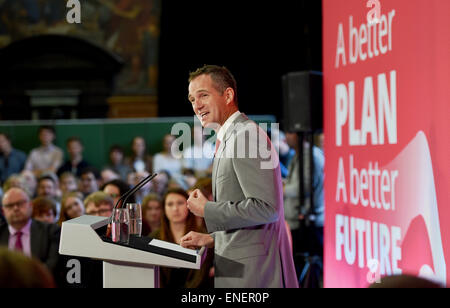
pixel 132 191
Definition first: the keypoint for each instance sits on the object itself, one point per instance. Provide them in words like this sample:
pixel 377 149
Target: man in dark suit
pixel 22 233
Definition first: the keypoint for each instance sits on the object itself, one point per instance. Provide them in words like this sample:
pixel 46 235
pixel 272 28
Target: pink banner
pixel 387 140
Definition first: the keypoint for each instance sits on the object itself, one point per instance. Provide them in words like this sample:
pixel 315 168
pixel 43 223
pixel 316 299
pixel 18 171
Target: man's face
pixel 5 145
pixel 74 148
pixel 167 142
pixel 138 146
pixel 116 157
pixel 208 103
pixel 88 183
pixel 46 188
pixel 47 217
pixel 292 139
pixel 113 191
pixel 104 209
pixel 17 207
pixel 46 137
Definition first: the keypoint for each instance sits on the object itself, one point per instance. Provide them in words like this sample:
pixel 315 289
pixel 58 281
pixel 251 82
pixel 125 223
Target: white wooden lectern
pixel 133 265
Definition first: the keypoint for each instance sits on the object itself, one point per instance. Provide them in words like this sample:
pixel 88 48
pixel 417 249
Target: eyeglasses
pixel 20 204
pixel 99 212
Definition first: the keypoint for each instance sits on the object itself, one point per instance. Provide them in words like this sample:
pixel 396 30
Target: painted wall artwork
pixel 128 28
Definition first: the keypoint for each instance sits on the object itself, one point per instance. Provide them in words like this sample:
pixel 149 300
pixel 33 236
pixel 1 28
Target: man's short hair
pixel 47 177
pixel 220 75
pixel 92 170
pixel 99 197
pixel 74 139
pixel 6 136
pixel 47 127
pixel 116 148
pixel 43 205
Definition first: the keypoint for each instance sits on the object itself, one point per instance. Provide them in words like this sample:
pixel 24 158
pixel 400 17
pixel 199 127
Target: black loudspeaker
pixel 302 101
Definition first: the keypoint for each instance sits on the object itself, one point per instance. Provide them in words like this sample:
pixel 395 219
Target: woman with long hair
pixel 71 206
pixel 176 221
pixel 151 213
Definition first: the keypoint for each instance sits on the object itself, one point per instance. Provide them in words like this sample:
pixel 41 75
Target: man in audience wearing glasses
pixel 26 235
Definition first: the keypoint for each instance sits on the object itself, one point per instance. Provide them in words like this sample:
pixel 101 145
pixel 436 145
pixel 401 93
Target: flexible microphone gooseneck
pixel 132 191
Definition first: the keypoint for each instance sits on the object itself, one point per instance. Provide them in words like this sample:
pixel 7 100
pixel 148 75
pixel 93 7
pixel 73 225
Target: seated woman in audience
pixel 205 186
pixel 176 221
pixel 139 161
pixel 71 206
pixel 151 213
pixel 44 209
pixel 115 189
pixel 67 182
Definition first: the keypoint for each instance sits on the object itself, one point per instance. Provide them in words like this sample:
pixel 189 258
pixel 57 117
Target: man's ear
pixel 229 95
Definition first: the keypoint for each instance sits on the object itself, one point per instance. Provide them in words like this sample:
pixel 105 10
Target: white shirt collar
pixel 223 129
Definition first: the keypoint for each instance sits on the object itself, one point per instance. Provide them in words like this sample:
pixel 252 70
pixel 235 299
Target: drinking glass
pixel 120 225
pixel 135 211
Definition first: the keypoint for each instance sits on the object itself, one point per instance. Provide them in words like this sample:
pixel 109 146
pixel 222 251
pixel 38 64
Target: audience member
pixel 108 175
pixel 133 179
pixel 205 186
pixel 15 180
pixel 75 163
pixel 199 156
pixel 306 223
pixel 79 272
pixel 22 233
pixel 176 221
pixel 44 209
pixel 20 271
pixel 12 161
pixel 47 186
pixel 47 157
pixel 115 189
pixel 89 180
pixel 166 161
pixel 285 152
pixel 71 206
pixel 116 159
pixel 67 182
pixel 405 281
pixel 161 182
pixel 151 213
pixel 189 178
pixel 140 160
pixel 2 218
pixel 98 204
pixel 30 182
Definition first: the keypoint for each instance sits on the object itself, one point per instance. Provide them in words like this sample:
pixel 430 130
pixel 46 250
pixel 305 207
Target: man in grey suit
pixel 245 220
pixel 33 238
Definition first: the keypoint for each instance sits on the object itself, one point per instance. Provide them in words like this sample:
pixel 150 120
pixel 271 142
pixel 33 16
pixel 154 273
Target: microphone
pixel 132 191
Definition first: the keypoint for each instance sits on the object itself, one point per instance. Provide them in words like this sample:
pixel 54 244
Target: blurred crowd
pixel 42 189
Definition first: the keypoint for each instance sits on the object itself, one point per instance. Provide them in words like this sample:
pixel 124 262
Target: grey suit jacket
pixel 44 241
pixel 246 219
